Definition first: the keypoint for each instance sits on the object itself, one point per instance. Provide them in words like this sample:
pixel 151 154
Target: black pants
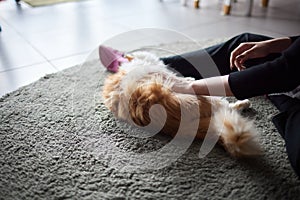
pixel 287 122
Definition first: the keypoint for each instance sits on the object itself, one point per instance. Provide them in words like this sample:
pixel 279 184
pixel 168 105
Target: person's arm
pixel 294 38
pixel 214 86
pixel 280 75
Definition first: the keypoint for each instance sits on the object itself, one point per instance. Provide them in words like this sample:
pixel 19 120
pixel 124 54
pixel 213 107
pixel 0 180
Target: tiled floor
pixel 37 41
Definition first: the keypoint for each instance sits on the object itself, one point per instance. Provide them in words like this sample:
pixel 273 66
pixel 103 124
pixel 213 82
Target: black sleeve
pixel 294 38
pixel 279 75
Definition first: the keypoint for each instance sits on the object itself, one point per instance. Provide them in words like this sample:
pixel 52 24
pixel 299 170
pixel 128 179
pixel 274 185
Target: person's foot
pixel 111 58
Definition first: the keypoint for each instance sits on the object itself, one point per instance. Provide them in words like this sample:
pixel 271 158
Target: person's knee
pixel 244 37
pixel 251 37
pixel 247 34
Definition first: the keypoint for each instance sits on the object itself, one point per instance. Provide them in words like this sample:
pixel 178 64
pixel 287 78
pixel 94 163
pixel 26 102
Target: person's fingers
pixel 241 68
pixel 237 62
pixel 240 49
pixel 236 52
pixel 246 55
pixel 238 65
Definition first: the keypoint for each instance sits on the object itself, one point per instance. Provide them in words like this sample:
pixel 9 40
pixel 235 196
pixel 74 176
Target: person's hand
pixel 247 51
pixel 183 87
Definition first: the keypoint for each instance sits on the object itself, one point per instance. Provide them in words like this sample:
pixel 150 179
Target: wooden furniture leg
pixel 264 3
pixel 227 7
pixel 196 3
pixel 183 2
pixel 249 7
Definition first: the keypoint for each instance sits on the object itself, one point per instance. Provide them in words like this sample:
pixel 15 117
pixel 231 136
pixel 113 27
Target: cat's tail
pixel 237 133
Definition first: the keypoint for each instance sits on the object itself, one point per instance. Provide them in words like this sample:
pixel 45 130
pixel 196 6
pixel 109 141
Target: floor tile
pixel 70 61
pixel 171 17
pixel 74 38
pixel 228 28
pixel 63 35
pixel 137 38
pixel 12 80
pixel 283 27
pixel 15 51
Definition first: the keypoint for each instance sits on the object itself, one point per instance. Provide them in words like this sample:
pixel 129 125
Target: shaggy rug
pixel 58 141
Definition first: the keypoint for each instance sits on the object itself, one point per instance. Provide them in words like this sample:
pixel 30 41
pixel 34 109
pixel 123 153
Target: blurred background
pixel 35 41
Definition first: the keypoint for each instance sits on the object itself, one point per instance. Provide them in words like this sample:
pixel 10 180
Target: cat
pixel 133 93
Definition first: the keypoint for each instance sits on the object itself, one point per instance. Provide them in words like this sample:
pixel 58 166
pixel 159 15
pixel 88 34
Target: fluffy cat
pixel 132 93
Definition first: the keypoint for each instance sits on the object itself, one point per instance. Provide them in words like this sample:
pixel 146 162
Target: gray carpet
pixel 58 141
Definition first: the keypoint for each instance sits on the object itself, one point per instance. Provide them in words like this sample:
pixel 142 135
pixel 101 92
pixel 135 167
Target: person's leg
pixel 292 139
pixel 217 56
pixel 283 102
pixel 287 123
